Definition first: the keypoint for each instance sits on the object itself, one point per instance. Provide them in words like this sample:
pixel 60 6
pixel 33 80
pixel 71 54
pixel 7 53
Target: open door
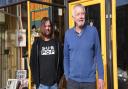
pixel 95 9
pixel 120 43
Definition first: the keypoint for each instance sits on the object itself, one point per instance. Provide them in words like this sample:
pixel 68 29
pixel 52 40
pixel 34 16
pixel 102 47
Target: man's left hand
pixel 100 84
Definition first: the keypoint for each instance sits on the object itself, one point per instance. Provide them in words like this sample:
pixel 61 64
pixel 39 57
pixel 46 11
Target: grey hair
pixel 76 6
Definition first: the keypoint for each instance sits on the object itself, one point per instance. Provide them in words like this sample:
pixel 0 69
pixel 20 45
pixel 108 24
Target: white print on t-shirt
pixel 49 50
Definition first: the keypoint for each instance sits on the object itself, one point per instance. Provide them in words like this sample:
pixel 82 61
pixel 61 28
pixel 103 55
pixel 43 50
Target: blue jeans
pixel 41 86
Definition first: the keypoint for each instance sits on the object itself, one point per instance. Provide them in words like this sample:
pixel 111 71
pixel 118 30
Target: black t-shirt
pixel 48 62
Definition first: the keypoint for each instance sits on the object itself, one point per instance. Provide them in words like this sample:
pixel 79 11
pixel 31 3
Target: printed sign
pixel 21 74
pixel 12 84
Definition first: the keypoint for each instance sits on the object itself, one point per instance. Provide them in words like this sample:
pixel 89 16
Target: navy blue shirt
pixel 82 55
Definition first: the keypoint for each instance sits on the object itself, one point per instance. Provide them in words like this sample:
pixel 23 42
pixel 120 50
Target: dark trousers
pixel 71 84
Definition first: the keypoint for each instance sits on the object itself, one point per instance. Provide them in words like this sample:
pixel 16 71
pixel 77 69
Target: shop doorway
pixel 122 45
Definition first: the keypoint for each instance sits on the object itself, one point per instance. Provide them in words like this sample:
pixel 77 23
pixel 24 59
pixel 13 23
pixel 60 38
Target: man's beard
pixel 80 26
pixel 46 34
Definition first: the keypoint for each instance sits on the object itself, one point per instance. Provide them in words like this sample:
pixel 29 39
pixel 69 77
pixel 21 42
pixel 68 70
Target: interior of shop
pixel 122 44
pixel 93 16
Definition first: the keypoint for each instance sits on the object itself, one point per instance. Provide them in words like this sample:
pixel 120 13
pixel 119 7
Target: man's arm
pixel 33 61
pixel 32 56
pixel 98 57
pixel 99 62
pixel 66 57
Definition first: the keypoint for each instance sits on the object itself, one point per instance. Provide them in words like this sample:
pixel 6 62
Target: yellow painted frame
pixel 29 44
pixel 114 46
pixel 103 28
